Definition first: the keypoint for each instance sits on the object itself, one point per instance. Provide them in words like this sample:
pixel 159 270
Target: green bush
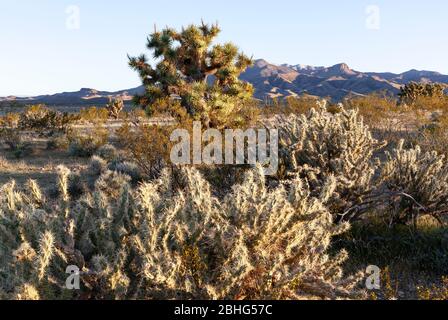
pixel 86 144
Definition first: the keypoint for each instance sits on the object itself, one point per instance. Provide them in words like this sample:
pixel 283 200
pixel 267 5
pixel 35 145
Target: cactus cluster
pixel 171 238
pixel 421 178
pixel 410 92
pixel 403 186
pixel 319 144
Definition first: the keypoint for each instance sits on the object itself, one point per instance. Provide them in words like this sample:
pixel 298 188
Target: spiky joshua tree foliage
pixel 172 239
pixel 201 77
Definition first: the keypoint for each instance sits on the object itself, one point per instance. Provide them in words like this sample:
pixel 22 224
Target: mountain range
pixel 274 81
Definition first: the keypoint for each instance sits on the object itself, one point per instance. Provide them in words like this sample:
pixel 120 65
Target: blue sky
pixel 40 54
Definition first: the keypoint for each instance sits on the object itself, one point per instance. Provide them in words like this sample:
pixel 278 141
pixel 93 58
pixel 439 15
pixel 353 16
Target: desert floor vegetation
pixel 398 219
pixel 360 183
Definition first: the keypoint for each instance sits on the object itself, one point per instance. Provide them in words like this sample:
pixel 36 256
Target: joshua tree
pixel 191 72
pixel 114 107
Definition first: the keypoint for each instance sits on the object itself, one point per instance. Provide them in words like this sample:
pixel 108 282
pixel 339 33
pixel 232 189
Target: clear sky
pixel 43 50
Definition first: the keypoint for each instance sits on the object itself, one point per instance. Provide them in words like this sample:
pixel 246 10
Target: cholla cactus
pixel 173 239
pixel 320 144
pixel 419 179
pixel 255 244
pixel 40 240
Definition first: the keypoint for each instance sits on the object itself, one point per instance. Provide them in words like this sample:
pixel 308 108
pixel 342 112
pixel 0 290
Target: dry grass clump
pixel 172 239
pixel 374 108
pixel 4 163
pixel 294 105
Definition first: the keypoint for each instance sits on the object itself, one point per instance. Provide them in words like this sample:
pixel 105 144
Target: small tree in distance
pixel 190 71
pixel 412 91
pixel 114 107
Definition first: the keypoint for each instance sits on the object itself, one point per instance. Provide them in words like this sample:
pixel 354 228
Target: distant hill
pixel 337 81
pixel 274 81
pixel 85 96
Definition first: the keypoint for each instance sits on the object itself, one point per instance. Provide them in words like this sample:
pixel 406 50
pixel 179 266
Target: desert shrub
pixel 296 105
pixel 10 120
pixel 22 150
pixel 419 179
pixel 320 144
pixel 16 142
pixel 137 114
pixel 430 103
pixel 107 152
pixel 58 142
pixel 128 168
pixel 148 146
pixel 432 134
pixel 94 115
pixel 97 166
pixel 172 239
pixel 44 120
pixel 86 144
